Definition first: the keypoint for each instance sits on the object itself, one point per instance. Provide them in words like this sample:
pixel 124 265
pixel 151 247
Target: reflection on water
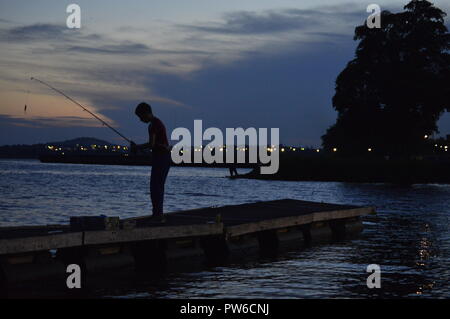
pixel 409 237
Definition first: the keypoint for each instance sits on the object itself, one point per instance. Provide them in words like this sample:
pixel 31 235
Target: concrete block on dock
pixel 82 223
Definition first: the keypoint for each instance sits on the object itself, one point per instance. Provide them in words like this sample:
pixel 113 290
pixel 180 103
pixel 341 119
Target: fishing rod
pixel 84 108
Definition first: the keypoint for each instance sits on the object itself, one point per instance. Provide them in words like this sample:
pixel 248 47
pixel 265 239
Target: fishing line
pixel 26 102
pixel 27 98
pixel 84 108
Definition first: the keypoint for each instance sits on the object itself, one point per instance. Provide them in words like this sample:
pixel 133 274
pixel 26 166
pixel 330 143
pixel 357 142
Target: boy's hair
pixel 143 108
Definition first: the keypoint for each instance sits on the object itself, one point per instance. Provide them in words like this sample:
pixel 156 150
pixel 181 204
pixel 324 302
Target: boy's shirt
pixel 159 130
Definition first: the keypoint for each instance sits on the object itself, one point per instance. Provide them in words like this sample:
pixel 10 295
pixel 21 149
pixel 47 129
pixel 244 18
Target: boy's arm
pixel 138 147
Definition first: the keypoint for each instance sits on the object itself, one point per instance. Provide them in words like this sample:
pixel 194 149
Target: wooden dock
pixel 210 236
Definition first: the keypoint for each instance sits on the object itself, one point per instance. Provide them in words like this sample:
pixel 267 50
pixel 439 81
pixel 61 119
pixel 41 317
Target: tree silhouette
pixel 394 91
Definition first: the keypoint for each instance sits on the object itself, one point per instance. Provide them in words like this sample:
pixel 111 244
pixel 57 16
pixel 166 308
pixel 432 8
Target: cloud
pixel 124 48
pixel 5 21
pixel 278 21
pixel 131 49
pixel 60 38
pixel 55 39
pixel 35 32
pixel 24 131
pixel 60 121
pixel 290 90
pixel 244 22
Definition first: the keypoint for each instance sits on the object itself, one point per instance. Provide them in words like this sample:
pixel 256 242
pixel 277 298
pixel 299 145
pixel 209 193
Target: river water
pixel 409 237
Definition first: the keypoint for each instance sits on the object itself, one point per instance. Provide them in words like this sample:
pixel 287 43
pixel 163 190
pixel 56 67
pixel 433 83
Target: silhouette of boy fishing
pixel 161 158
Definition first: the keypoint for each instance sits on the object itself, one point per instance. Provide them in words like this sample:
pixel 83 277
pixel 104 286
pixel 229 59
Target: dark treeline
pixel 391 95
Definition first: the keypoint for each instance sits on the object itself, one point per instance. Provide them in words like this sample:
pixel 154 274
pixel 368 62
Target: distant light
pixel 335 149
pixel 369 150
pixel 425 137
pixel 293 149
pixel 302 148
pixel 317 150
pixel 282 149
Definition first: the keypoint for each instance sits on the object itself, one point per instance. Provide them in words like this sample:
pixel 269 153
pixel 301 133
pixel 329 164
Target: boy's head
pixel 144 112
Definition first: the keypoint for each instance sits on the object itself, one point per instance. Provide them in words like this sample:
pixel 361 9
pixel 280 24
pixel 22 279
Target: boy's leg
pixel 156 186
pixel 160 169
pixel 165 171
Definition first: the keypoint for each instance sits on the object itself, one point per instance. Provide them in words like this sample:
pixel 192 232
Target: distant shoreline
pixel 296 168
pixel 360 171
pixel 122 159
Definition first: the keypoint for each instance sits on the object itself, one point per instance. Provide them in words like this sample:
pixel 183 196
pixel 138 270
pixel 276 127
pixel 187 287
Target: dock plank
pixel 149 233
pixel 242 229
pixel 340 214
pixel 289 221
pixel 30 244
pixel 268 210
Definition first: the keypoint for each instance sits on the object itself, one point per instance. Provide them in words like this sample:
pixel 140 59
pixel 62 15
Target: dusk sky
pixel 251 63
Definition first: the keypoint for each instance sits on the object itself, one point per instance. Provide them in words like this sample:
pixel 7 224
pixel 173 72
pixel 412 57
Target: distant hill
pixel 85 141
pixel 34 150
